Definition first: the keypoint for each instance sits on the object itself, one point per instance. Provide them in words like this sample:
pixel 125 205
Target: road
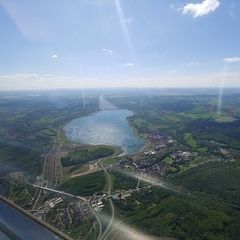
pixel 53 169
pixel 52 190
pixel 53 165
pixel 109 180
pixel 98 220
pixel 59 192
pixel 42 181
pixel 90 231
pixel 92 168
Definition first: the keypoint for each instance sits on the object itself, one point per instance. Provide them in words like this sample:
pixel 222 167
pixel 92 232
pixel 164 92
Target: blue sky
pixel 119 43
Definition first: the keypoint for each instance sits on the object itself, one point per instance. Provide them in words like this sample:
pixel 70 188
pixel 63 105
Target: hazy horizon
pixel 119 43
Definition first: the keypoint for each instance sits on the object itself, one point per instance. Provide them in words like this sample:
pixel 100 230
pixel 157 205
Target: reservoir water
pixel 109 127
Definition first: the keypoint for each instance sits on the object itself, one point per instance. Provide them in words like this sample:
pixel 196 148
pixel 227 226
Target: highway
pixel 52 190
pixel 43 174
pixel 59 192
pixel 52 167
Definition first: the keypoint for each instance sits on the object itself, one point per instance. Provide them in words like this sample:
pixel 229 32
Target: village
pixel 163 157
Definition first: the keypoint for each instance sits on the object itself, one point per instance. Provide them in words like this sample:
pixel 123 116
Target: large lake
pixel 108 127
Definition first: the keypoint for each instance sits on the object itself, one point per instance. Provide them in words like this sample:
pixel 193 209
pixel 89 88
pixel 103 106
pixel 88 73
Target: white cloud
pixel 106 50
pixel 129 64
pixel 232 59
pixel 54 56
pixel 201 9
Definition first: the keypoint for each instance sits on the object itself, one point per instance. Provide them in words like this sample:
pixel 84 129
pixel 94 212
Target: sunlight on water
pixel 105 127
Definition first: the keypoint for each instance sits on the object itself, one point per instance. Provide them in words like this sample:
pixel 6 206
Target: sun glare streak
pixel 124 28
pixel 83 87
pixel 148 179
pixel 220 92
pixel 121 231
pixel 83 98
pixel 104 104
pixel 12 12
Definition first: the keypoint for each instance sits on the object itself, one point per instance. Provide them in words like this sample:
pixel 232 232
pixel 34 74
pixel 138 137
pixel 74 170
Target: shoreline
pixel 121 150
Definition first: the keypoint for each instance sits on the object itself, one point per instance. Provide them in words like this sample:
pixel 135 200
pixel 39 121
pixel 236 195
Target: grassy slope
pixel 223 182
pixel 162 213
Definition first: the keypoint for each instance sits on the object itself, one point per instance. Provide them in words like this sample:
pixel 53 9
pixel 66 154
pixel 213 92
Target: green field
pixel 168 160
pixel 190 140
pixel 123 181
pixel 110 161
pixel 83 155
pixel 224 119
pixel 85 185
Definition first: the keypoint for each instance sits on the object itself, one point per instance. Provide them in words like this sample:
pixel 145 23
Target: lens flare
pixel 121 231
pixel 220 95
pixel 220 92
pixel 124 28
pixel 148 179
pixel 104 104
pixel 83 97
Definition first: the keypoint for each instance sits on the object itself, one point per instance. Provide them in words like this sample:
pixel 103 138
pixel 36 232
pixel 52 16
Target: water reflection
pixel 105 127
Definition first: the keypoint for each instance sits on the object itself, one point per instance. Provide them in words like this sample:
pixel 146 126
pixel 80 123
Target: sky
pixel 119 43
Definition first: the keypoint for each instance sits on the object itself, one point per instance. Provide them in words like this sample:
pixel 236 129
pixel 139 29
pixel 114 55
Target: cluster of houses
pixel 182 156
pixel 96 202
pixel 69 214
pixel 151 161
pixel 18 175
pixel 53 202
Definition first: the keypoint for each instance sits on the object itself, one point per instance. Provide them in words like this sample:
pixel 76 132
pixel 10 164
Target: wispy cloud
pixel 54 56
pixel 191 63
pixel 201 9
pixel 129 64
pixel 129 20
pixel 172 6
pixel 31 81
pixel 231 59
pixel 107 50
pixel 19 76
